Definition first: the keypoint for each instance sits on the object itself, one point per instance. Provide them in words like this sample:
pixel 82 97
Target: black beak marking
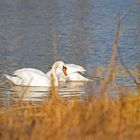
pixel 64 68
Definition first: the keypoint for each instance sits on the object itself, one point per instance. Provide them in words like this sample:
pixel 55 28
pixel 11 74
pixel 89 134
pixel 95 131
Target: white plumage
pixel 34 77
pixel 74 73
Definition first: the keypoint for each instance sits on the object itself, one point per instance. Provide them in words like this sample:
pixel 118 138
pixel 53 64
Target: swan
pixel 35 77
pixel 74 73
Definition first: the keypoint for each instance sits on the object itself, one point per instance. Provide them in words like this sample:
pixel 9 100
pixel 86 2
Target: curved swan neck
pixel 54 77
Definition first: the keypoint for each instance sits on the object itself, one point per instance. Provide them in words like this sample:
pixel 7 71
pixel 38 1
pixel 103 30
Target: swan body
pixel 74 73
pixel 35 77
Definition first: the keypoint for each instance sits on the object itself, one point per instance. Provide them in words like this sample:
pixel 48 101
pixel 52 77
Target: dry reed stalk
pixel 112 65
pixel 54 89
pixel 119 54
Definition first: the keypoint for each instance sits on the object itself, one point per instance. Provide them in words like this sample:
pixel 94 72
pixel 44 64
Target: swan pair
pixel 59 72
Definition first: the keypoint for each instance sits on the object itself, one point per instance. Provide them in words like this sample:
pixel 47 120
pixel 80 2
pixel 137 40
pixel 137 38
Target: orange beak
pixel 64 71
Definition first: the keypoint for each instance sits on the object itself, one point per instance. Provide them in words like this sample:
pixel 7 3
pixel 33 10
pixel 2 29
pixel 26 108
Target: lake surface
pixel 36 33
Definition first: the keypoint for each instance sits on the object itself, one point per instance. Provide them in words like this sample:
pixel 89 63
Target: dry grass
pixel 59 119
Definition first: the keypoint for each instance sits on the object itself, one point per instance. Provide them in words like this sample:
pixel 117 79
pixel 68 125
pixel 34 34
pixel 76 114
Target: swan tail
pixel 15 80
pixel 8 77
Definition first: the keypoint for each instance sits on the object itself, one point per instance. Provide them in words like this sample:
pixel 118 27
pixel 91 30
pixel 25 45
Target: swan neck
pixel 55 79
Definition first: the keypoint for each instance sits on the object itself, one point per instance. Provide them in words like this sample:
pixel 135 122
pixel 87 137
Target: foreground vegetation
pixel 96 118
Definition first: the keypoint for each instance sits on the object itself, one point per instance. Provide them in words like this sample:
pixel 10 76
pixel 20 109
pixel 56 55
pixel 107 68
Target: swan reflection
pixel 66 90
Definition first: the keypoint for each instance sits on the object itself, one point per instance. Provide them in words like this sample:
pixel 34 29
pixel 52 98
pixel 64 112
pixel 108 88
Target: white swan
pixel 74 73
pixel 35 77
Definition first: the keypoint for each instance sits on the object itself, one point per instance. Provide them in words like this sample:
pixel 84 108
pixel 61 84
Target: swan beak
pixel 65 70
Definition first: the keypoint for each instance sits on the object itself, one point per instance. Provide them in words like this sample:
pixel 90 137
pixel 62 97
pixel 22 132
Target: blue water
pixel 36 33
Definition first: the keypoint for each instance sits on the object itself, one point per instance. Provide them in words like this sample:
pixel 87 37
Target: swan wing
pixel 72 68
pixel 24 70
pixel 75 66
pixel 77 77
pixel 49 74
pixel 14 79
pixel 32 77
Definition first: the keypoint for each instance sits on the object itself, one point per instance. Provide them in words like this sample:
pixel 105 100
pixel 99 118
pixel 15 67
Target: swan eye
pixel 65 70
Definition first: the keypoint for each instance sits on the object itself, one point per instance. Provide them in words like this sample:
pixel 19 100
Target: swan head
pixel 61 65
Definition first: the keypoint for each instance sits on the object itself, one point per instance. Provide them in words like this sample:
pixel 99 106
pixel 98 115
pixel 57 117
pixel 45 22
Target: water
pixel 36 33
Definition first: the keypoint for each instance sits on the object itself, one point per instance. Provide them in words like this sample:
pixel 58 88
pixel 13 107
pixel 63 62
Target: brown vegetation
pixel 59 119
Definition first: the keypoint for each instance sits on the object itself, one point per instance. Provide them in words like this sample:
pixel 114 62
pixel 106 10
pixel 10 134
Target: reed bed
pixel 95 118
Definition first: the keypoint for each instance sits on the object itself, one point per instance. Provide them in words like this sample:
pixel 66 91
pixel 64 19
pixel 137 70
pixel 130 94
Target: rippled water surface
pixel 36 33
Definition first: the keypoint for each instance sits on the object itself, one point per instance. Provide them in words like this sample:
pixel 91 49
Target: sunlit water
pixel 37 33
pixel 69 91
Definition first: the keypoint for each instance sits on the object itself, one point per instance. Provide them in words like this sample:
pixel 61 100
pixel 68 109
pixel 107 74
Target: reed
pixel 92 119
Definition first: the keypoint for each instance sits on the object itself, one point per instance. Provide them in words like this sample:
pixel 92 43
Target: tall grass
pixel 60 119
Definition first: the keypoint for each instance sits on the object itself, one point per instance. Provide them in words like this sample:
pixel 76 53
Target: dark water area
pixel 36 33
